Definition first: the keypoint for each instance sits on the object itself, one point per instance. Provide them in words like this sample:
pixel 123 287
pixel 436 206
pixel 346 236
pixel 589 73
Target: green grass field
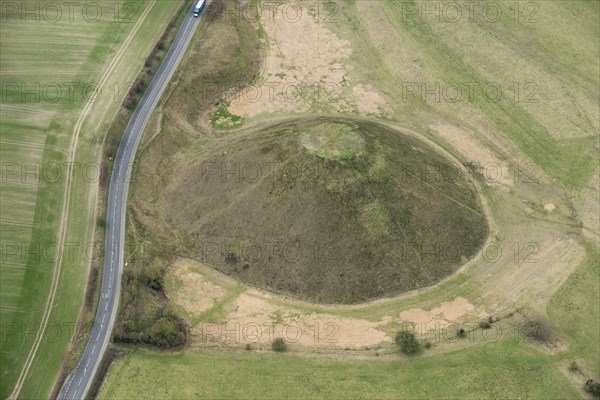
pixel 37 130
pixel 500 370
pixel 575 309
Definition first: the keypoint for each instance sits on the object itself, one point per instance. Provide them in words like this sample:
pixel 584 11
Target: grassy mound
pixel 323 210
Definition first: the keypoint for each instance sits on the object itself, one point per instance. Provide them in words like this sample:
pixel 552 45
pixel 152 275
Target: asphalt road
pixel 79 381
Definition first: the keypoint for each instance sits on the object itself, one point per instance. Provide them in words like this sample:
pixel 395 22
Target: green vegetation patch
pixel 333 142
pixel 223 119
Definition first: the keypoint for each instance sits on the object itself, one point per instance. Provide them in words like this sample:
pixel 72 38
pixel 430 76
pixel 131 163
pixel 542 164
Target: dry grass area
pixel 446 313
pixel 191 290
pixel 473 151
pixel 307 69
pixel 551 264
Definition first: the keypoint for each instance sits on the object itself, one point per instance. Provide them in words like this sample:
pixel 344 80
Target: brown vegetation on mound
pixel 363 216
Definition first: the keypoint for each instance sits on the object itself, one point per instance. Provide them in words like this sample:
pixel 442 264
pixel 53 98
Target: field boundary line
pixel 66 201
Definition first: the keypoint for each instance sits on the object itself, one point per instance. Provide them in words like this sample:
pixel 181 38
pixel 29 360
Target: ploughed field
pixel 326 210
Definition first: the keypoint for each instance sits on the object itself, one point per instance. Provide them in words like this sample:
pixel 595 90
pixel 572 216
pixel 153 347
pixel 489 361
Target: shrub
pixel 279 345
pixel 573 367
pixel 592 387
pixel 153 274
pixel 129 104
pixel 427 344
pixel 538 329
pixel 461 333
pixel 231 258
pixel 407 342
pixel 167 332
pixel 248 346
pixel 485 325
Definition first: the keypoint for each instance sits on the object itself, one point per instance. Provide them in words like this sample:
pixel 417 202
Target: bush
pixel 427 344
pixel 538 329
pixel 167 332
pixel 485 325
pixel 279 345
pixel 248 346
pixel 573 367
pixel 592 387
pixel 231 258
pixel 129 103
pixel 153 274
pixel 407 342
pixel 461 333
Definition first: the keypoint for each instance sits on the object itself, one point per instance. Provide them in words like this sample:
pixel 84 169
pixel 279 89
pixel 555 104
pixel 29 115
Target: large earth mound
pixel 325 210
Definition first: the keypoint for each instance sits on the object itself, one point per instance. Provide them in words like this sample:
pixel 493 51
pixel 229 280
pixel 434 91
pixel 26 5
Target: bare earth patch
pixel 253 320
pixel 369 102
pixel 445 314
pixel 191 290
pixel 305 70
